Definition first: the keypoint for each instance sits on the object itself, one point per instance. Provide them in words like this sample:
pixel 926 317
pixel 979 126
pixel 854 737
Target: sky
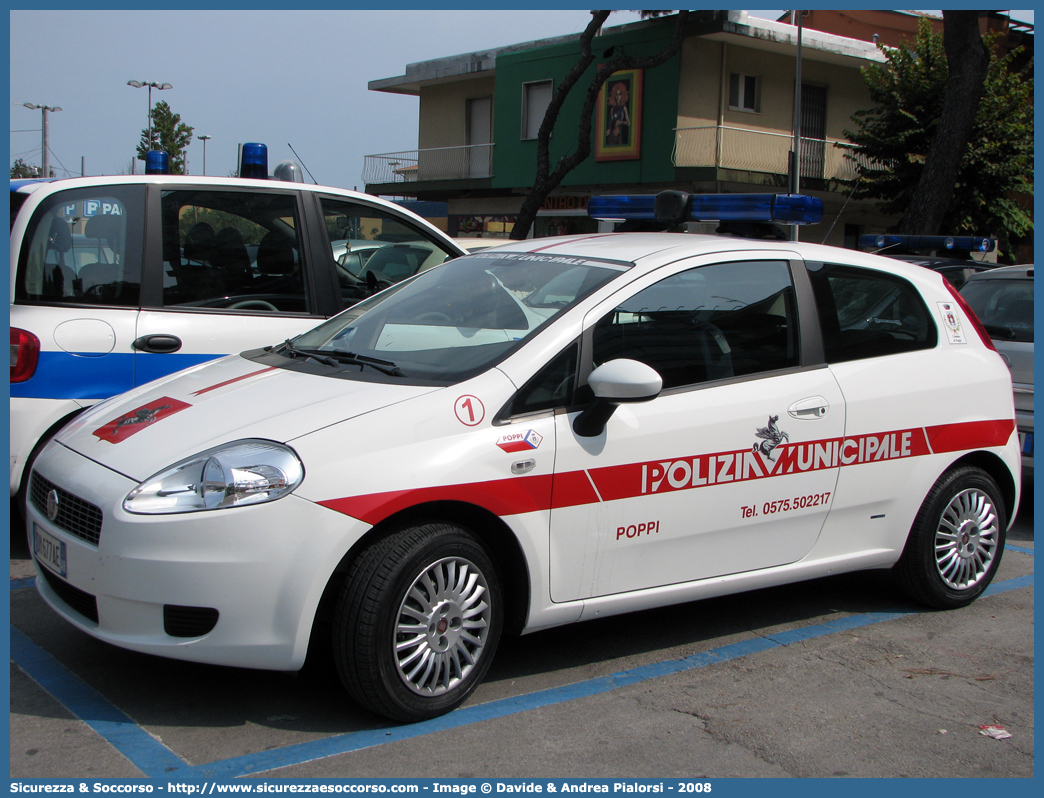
pixel 295 81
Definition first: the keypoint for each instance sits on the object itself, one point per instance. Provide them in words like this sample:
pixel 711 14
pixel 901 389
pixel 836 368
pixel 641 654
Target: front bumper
pixel 262 568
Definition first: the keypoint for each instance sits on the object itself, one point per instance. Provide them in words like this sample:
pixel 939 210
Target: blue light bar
pixel 254 161
pixel 779 208
pixel 638 206
pixel 157 162
pixel 952 243
pixel 677 206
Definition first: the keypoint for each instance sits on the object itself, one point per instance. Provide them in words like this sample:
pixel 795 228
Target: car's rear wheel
pixel 956 542
pixel 417 621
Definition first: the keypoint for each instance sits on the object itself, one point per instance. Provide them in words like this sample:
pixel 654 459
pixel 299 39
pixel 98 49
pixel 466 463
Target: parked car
pixel 956 270
pixel 957 263
pixel 549 431
pixel 116 281
pixel 1003 301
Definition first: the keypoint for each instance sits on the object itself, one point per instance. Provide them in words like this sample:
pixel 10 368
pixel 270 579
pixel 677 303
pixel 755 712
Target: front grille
pixel 188 621
pixel 81 601
pixel 76 516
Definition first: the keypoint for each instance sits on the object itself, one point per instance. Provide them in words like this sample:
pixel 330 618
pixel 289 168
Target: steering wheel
pixel 252 304
pixel 435 315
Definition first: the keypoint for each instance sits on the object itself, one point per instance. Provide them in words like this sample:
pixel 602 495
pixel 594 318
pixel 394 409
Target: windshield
pixel 456 321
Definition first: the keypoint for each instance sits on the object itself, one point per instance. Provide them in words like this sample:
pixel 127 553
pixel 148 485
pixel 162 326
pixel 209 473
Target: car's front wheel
pixel 417 621
pixel 956 541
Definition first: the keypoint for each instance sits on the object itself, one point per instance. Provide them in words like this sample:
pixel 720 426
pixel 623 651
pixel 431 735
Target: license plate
pixel 1026 443
pixel 49 551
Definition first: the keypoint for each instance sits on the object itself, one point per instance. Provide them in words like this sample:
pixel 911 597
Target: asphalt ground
pixel 839 677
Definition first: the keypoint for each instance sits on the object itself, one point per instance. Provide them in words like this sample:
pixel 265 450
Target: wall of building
pixel 443 111
pixel 514 159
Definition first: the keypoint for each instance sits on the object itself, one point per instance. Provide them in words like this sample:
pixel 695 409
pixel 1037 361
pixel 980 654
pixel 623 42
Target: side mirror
pixel 613 383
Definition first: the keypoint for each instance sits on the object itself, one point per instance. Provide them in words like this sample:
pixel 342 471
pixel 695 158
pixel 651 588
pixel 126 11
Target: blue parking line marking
pixel 156 760
pixel 143 750
pixel 1020 549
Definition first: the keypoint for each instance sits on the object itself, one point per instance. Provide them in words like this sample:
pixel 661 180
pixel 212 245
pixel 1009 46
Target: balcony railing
pixel 710 146
pixel 442 163
pixel 760 151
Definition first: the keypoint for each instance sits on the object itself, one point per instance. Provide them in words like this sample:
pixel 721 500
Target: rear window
pixel 84 246
pixel 1005 307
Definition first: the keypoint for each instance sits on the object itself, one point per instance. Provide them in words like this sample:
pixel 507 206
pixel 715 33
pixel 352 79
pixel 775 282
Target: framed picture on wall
pixel 618 128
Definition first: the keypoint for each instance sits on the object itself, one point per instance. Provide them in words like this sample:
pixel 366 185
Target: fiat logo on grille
pixel 52 505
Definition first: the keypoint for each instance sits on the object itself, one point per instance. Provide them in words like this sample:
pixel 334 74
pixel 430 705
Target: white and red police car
pixel 116 281
pixel 540 433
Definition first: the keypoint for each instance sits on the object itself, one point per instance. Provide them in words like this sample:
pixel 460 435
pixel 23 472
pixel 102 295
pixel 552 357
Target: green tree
pixel 21 169
pixel 993 175
pixel 170 134
pixel 547 179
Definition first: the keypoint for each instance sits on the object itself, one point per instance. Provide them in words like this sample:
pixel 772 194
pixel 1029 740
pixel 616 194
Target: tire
pixel 956 542
pixel 417 622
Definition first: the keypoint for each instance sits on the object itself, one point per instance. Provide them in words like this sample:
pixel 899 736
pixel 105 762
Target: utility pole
pixel 45 167
pixel 151 84
pixel 795 156
pixel 204 139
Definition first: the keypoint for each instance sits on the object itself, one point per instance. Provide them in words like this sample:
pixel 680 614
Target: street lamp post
pixel 204 139
pixel 44 165
pixel 151 85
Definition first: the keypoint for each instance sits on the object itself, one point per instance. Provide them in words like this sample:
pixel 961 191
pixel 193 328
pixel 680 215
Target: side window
pixel 552 386
pixel 84 246
pixel 865 313
pixel 232 250
pixel 709 323
pixel 744 92
pixel 374 248
pixel 536 96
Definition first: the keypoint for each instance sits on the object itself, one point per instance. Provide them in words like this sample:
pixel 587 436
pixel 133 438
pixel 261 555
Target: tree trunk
pixel 545 181
pixel 967 59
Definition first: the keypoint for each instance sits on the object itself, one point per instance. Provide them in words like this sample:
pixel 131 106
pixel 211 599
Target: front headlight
pixel 231 475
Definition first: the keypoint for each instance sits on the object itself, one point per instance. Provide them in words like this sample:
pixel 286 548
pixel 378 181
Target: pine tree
pixel 169 134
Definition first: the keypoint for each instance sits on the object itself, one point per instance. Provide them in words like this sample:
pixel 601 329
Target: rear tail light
pixel 969 314
pixel 25 351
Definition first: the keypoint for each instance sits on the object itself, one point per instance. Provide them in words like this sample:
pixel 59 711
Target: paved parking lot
pixel 837 677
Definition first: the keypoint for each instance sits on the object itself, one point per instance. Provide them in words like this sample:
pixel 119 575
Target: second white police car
pixel 116 281
pixel 541 433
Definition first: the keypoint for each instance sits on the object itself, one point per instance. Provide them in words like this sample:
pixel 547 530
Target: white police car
pixel 554 430
pixel 116 281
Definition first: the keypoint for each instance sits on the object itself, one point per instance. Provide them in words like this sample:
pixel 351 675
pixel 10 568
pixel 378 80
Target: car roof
pixel 26 185
pixel 1021 272
pixel 35 186
pixel 937 262
pixel 658 248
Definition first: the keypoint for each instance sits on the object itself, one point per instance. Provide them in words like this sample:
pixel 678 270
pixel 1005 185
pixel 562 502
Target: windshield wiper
pixel 337 358
pixel 383 366
pixel 293 351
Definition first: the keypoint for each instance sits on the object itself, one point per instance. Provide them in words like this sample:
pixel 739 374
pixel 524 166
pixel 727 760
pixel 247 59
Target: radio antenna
pixel 298 157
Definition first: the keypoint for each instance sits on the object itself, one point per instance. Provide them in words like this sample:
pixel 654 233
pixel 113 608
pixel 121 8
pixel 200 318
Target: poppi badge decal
pixel 520 441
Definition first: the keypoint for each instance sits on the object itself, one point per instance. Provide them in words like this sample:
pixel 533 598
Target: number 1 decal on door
pixel 469 410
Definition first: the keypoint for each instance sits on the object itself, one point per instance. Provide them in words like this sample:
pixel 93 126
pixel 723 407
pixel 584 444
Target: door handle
pixel 158 343
pixel 812 407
